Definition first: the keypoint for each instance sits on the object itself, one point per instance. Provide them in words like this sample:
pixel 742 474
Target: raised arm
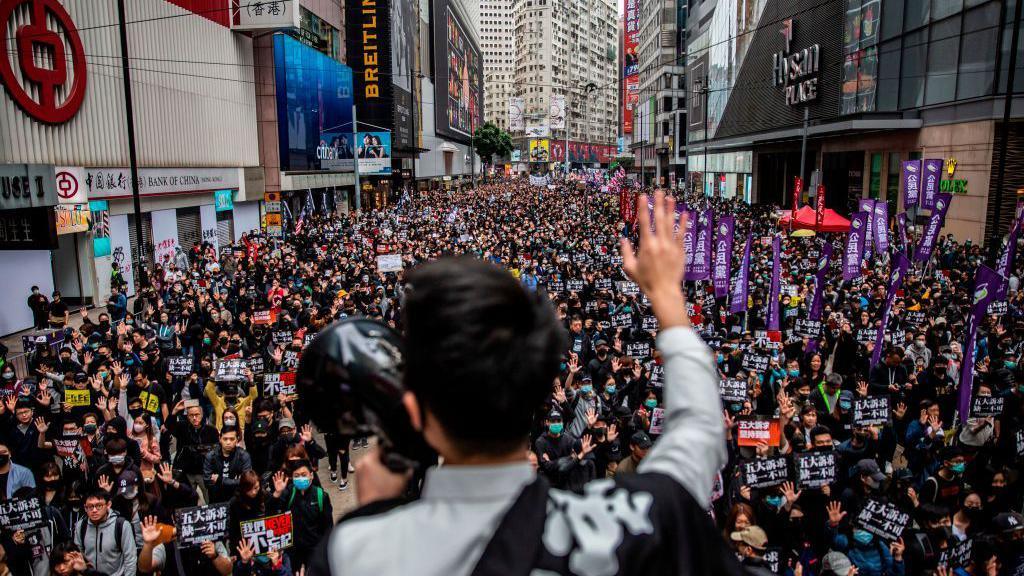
pixel 692 446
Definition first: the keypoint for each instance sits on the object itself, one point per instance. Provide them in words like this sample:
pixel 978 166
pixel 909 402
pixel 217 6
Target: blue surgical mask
pixel 845 405
pixel 773 501
pixel 610 389
pixel 863 536
pixel 302 482
pixel 794 372
pixel 1010 364
pixel 720 358
pixel 555 428
pixel 651 403
pixel 586 389
pixel 958 468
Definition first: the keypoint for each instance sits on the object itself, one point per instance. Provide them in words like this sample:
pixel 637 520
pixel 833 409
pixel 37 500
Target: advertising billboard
pixel 458 74
pixel 374 151
pixel 582 152
pixel 403 39
pixel 314 106
pixel 630 63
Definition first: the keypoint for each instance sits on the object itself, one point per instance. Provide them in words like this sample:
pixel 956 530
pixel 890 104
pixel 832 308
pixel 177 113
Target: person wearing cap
pixel 288 435
pixel 587 401
pixel 556 456
pixel 601 363
pixel 639 445
pixel 837 564
pixel 224 465
pixel 750 544
pixel 866 479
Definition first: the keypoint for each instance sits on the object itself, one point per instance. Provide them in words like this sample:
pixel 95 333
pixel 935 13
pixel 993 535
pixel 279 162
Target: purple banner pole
pixel 930 189
pixel 901 230
pixel 868 205
pixel 881 226
pixel 935 223
pixel 986 284
pixel 723 255
pixel 911 183
pixel 898 271
pixel 773 293
pixel 855 241
pixel 819 282
pixel 738 298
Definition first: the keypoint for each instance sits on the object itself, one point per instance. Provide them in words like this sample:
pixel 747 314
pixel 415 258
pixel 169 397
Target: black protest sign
pixel 575 285
pixel 255 363
pixel 275 383
pixel 732 390
pixel 871 411
pixel 649 323
pixel 603 284
pixel 883 519
pixel 70 449
pixel 230 370
pixel 998 308
pixel 590 306
pixel 755 362
pixel 773 558
pixel 916 318
pixel 308 337
pixel 816 469
pixel 180 365
pixel 865 335
pixel 809 328
pixel 281 336
pixel 765 472
pixel 290 359
pixel 556 286
pixel 201 524
pixel 624 320
pixel 21 514
pixel 638 349
pixel 657 375
pixel 957 555
pixel 268 533
pixel 1020 442
pixel 627 288
pixel 987 406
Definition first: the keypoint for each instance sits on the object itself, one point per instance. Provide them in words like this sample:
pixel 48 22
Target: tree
pixel 492 141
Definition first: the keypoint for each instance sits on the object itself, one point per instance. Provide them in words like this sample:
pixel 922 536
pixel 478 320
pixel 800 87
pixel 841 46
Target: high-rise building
pixel 658 140
pixel 493 22
pixel 568 48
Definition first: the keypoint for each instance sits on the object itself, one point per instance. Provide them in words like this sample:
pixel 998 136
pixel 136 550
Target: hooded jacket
pixel 99 544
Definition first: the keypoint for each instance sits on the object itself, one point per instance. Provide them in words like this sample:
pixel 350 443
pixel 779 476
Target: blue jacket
pixel 19 477
pixel 874 560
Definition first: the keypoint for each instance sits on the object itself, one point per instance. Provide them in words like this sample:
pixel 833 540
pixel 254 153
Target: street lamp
pixel 700 87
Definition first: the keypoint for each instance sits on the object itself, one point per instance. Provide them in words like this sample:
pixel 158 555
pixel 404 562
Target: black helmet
pixel 350 382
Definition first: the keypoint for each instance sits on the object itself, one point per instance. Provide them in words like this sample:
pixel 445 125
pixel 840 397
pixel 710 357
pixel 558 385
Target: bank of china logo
pixel 980 293
pixel 856 223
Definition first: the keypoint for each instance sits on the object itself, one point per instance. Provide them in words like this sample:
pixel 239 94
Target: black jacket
pixel 215 463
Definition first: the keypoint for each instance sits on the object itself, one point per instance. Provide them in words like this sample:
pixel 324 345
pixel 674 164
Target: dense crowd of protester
pixel 143 411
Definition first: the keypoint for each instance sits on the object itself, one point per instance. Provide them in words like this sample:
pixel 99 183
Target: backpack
pixel 119 523
pixel 319 498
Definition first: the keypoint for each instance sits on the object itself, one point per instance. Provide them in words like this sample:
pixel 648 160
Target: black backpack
pixel 119 523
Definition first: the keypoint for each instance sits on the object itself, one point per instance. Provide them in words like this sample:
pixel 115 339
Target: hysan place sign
pixel 796 72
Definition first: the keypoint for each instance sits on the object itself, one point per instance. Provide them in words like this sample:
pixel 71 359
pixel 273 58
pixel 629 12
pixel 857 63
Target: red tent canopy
pixel 806 220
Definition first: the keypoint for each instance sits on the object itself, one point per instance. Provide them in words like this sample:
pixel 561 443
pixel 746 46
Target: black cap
pixel 1008 522
pixel 641 440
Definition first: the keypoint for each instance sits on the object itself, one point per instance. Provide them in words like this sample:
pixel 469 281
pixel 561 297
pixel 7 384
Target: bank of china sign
pixel 796 72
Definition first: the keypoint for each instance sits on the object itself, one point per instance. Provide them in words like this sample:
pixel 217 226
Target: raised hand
pixel 104 483
pixel 87 357
pixel 150 530
pixel 790 492
pixel 208 549
pixel 280 482
pixel 835 513
pixel 613 433
pixel 862 388
pixel 559 394
pixel 900 410
pixel 245 551
pixel 586 445
pixel 659 264
pixel 307 434
pixel 165 473
pixel 122 381
pixel 591 417
pixel 41 425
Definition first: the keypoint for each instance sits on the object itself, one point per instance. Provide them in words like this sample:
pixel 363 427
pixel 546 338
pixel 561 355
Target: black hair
pixel 819 430
pixel 481 351
pixel 99 494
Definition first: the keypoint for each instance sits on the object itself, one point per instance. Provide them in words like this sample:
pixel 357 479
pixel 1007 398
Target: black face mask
pixel 5 459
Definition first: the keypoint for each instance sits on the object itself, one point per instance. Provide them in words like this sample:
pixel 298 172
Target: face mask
pixel 89 428
pixel 720 358
pixel 845 405
pixel 135 412
pixel 651 403
pixel 586 389
pixel 302 482
pixel 958 468
pixel 555 428
pixel 206 341
pixel 139 428
pixel 230 421
pixel 863 536
pixel 116 459
pixel 773 501
pixel 794 372
pixel 8 375
pixel 609 389
pixel 1010 365
pixel 561 367
pixel 5 459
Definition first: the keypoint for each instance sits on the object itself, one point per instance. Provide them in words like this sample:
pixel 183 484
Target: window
pixel 915 50
pixel 978 52
pixel 892 24
pixel 943 8
pixel 889 76
pixel 943 54
pixel 892 179
pixel 875 184
pixel 916 14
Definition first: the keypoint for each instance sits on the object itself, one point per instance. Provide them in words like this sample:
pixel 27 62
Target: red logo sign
pixel 49 87
pixel 67 185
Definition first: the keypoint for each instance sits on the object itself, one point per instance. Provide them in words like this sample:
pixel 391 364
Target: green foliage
pixel 492 141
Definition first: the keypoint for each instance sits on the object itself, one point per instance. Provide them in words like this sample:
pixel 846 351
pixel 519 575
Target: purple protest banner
pixel 701 260
pixel 819 282
pixel 880 226
pixel 986 284
pixel 855 245
pixel 930 188
pixel 931 231
pixel 868 205
pixel 773 293
pixel 911 183
pixel 896 274
pixel 689 235
pixel 723 255
pixel 738 298
pixel 901 230
pixel 1004 265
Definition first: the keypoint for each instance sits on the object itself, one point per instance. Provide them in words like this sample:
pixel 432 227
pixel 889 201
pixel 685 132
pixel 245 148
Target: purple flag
pixel 868 205
pixel 881 226
pixel 773 293
pixel 723 255
pixel 911 183
pixel 930 189
pixel 1004 266
pixel 896 274
pixel 738 298
pixel 689 235
pixel 855 245
pixel 986 284
pixel 819 282
pixel 935 224
pixel 901 229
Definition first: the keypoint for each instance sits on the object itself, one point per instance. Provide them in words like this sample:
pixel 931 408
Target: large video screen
pixel 314 108
pixel 458 75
